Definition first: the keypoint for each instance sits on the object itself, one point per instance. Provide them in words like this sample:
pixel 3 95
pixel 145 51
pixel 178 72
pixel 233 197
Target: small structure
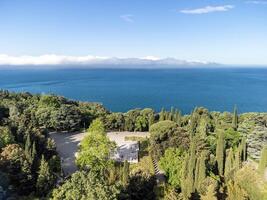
pixel 128 151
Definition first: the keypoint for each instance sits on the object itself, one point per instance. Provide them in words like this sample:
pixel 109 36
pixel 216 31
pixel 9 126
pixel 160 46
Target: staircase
pixel 160 177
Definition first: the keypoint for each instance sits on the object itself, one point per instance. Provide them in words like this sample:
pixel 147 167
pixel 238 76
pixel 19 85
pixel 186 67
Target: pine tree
pixel 235 119
pixel 45 179
pixel 229 163
pixel 125 173
pixel 263 161
pixel 220 152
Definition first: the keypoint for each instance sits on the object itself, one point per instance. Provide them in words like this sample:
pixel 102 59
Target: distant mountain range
pixel 60 61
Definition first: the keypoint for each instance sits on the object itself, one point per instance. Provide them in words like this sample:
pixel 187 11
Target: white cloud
pixel 127 18
pixel 208 9
pixel 257 2
pixel 87 61
pixel 49 59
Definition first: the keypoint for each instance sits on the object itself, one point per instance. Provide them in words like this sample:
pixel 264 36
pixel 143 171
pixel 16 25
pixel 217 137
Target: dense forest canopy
pixel 204 155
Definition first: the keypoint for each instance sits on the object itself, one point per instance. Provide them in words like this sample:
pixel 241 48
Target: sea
pixel 119 90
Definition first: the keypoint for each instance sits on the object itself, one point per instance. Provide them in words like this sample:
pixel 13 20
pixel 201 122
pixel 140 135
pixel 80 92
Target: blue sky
pixel 230 32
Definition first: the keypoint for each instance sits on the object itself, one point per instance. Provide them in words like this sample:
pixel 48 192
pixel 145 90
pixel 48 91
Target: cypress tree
pixel 178 117
pixel 192 166
pixel 202 169
pixel 151 120
pixel 196 175
pixel 229 163
pixel 235 119
pixel 237 162
pixel 235 192
pixel 162 115
pixel 220 152
pixel 27 147
pixel 172 114
pixel 34 152
pixel 45 178
pixel 244 149
pixel 210 194
pixel 263 161
pixel 125 173
pixel 184 180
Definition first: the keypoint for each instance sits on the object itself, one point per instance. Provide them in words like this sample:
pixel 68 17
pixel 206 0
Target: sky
pixel 228 32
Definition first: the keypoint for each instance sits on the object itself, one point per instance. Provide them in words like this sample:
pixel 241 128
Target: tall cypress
pixel 27 147
pixel 220 152
pixel 45 178
pixel 162 115
pixel 172 114
pixel 263 161
pixel 210 194
pixel 244 149
pixel 34 152
pixel 192 166
pixel 235 119
pixel 202 169
pixel 196 175
pixel 178 117
pixel 237 162
pixel 229 163
pixel 184 180
pixel 151 119
pixel 125 173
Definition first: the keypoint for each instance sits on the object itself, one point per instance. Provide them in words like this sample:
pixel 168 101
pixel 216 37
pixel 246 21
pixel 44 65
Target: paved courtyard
pixel 67 146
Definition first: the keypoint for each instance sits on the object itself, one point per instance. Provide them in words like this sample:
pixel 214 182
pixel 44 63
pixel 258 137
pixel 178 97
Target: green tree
pixel 151 120
pixel 28 147
pixel 6 137
pixel 125 173
pixel 85 185
pixel 210 194
pixel 97 126
pixel 95 148
pixel 141 123
pixel 130 119
pixel 166 134
pixel 45 179
pixel 229 163
pixel 263 160
pixel 237 160
pixel 200 174
pixel 162 115
pixel 235 192
pixel 220 152
pixel 171 163
pixel 243 146
pixel 235 119
pixel 192 166
pixel 185 189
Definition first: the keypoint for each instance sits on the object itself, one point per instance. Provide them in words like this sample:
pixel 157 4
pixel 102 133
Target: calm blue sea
pixel 124 89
